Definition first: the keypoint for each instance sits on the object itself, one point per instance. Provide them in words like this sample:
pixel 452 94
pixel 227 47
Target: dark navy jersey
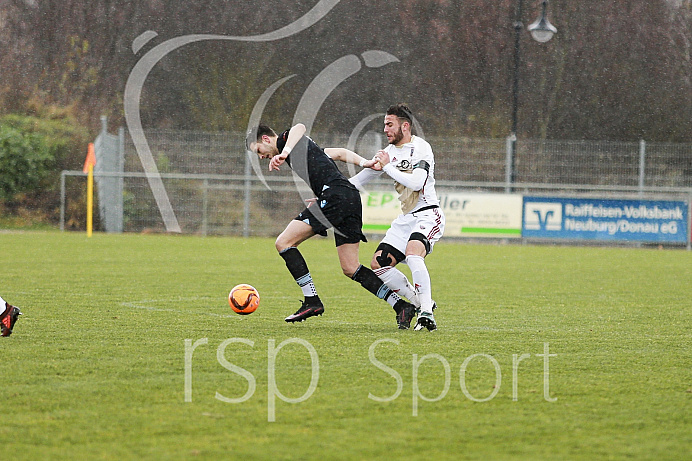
pixel 313 165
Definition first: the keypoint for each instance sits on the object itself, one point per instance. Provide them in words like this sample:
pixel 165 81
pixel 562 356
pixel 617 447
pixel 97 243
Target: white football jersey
pixel 416 154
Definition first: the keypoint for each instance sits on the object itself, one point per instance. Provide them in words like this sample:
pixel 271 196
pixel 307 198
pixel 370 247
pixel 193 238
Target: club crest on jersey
pixel 405 165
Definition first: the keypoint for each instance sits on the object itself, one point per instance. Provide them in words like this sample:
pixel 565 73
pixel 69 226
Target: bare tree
pixel 615 70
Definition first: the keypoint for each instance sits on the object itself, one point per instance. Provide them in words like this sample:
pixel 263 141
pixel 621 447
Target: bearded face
pixel 398 136
pixel 393 129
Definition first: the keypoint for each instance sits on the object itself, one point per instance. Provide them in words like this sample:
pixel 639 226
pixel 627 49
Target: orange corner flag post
pixel 89 169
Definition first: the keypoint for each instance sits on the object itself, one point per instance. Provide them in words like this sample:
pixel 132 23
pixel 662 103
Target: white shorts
pixel 430 223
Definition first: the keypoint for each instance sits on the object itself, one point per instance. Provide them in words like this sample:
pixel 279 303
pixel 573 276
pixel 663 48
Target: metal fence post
pixel 120 168
pixel 205 205
pixel 689 222
pixel 248 186
pixel 511 140
pixel 642 165
pixel 62 201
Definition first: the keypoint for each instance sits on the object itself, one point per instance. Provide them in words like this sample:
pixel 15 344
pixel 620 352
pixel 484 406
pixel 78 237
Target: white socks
pixel 398 282
pixel 307 285
pixel 421 280
pixel 3 305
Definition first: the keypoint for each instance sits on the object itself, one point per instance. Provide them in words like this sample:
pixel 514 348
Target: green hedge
pixel 26 161
pixel 33 151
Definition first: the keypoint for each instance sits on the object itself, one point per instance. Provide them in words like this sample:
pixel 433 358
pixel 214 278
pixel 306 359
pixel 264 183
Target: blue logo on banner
pixel 594 219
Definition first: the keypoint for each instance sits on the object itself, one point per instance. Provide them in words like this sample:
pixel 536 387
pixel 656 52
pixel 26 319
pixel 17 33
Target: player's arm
pixel 371 168
pixel 414 181
pixel 365 176
pixel 294 135
pixel 348 156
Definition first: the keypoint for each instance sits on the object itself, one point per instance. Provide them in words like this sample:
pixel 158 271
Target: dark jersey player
pixel 337 205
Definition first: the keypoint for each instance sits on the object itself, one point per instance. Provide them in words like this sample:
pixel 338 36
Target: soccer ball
pixel 244 299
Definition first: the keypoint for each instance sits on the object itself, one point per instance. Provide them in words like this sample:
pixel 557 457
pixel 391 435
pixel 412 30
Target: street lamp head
pixel 542 30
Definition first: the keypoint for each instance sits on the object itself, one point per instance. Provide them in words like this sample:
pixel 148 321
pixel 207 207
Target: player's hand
pixel 373 163
pixel 277 161
pixel 382 157
pixel 310 201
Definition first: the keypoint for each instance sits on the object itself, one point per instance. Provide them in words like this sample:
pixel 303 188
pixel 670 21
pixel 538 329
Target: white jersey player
pixel 410 162
pixel 8 317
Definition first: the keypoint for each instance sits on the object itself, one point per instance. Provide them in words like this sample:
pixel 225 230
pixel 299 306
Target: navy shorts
pixel 338 207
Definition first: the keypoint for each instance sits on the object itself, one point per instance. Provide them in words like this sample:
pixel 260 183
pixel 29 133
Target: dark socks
pixel 371 282
pixel 299 270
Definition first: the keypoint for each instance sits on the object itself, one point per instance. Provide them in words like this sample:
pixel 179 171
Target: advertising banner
pixel 466 214
pixel 608 220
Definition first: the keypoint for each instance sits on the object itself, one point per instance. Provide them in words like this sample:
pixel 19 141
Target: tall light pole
pixel 541 30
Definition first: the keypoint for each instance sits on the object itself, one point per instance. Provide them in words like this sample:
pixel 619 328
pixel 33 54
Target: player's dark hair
pixel 256 133
pixel 402 112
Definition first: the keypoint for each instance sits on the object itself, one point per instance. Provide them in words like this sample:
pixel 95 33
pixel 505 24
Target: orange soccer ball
pixel 244 299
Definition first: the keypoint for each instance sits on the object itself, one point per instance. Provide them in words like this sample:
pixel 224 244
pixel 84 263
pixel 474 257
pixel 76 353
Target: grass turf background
pixel 96 366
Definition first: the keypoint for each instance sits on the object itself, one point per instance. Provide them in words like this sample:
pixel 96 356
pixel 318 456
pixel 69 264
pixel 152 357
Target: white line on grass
pixel 142 305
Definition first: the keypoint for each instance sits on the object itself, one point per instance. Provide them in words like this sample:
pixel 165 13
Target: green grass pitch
pixel 542 353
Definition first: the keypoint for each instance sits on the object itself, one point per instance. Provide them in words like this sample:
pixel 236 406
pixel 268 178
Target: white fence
pixel 213 192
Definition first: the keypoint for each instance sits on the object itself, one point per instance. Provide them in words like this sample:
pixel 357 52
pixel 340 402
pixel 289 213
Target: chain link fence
pixel 214 192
